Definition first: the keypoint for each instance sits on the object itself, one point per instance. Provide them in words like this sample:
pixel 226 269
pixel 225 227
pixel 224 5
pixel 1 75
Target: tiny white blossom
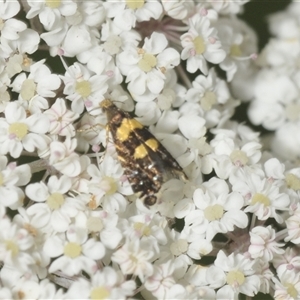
pixel 263 243
pixel 233 274
pixel 17 131
pixel 61 119
pixel 287 286
pixel 107 283
pixel 54 207
pixel 146 68
pixel 11 177
pixel 76 252
pixel 201 44
pixel 134 259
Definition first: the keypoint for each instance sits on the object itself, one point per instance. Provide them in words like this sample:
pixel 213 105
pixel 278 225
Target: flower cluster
pixel 71 226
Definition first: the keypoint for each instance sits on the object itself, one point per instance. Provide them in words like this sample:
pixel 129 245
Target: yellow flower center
pixel 109 185
pixel 83 88
pixel 199 45
pixel 235 50
pixel 135 4
pixel 179 247
pixel 28 89
pixel 260 198
pixel 53 3
pixel 291 290
pixel 208 100
pixel 235 278
pixel 239 158
pixel 12 247
pixel 94 224
pixel 100 293
pixel 18 130
pixel 147 62
pixel 292 181
pixel 214 212
pixel 55 201
pixel 142 228
pixel 72 250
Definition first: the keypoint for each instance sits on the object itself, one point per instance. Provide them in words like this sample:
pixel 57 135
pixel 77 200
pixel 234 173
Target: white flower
pixel 217 210
pixel 228 7
pixel 134 259
pixel 288 286
pixel 288 261
pixel 76 253
pixel 51 12
pixel 262 196
pixel 240 43
pixel 62 157
pixel 82 88
pixel 293 228
pixel 145 67
pixel 16 246
pixel 126 13
pixel 178 9
pixel 275 99
pixel 201 44
pixel 54 209
pixel 263 243
pixel 207 98
pixel 11 177
pixel 61 119
pixel 161 280
pixel 107 185
pixel 233 274
pixel 104 284
pixel 39 85
pixel 17 131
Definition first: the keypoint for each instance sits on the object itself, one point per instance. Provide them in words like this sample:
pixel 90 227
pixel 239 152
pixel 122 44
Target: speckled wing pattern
pixel 146 162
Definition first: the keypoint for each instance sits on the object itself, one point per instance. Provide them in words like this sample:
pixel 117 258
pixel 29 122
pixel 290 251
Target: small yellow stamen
pixel 142 228
pixel 94 224
pixel 239 158
pixel 72 250
pixel 147 62
pixel 135 4
pixel 199 45
pixel 235 278
pixel 28 89
pixel 214 212
pixel 260 198
pixel 83 88
pixel 100 293
pixel 109 185
pixel 292 181
pixel 55 201
pixel 235 50
pixel 208 100
pixel 292 291
pixel 53 3
pixel 18 130
pixel 12 247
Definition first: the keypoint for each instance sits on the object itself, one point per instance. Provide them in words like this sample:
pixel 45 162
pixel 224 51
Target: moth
pixel 146 162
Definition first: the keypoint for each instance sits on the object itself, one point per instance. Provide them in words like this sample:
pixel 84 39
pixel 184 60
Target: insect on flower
pixel 146 162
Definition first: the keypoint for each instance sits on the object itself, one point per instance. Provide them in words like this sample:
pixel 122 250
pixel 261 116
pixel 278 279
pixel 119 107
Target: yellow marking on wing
pixel 152 143
pixel 140 152
pixel 127 126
